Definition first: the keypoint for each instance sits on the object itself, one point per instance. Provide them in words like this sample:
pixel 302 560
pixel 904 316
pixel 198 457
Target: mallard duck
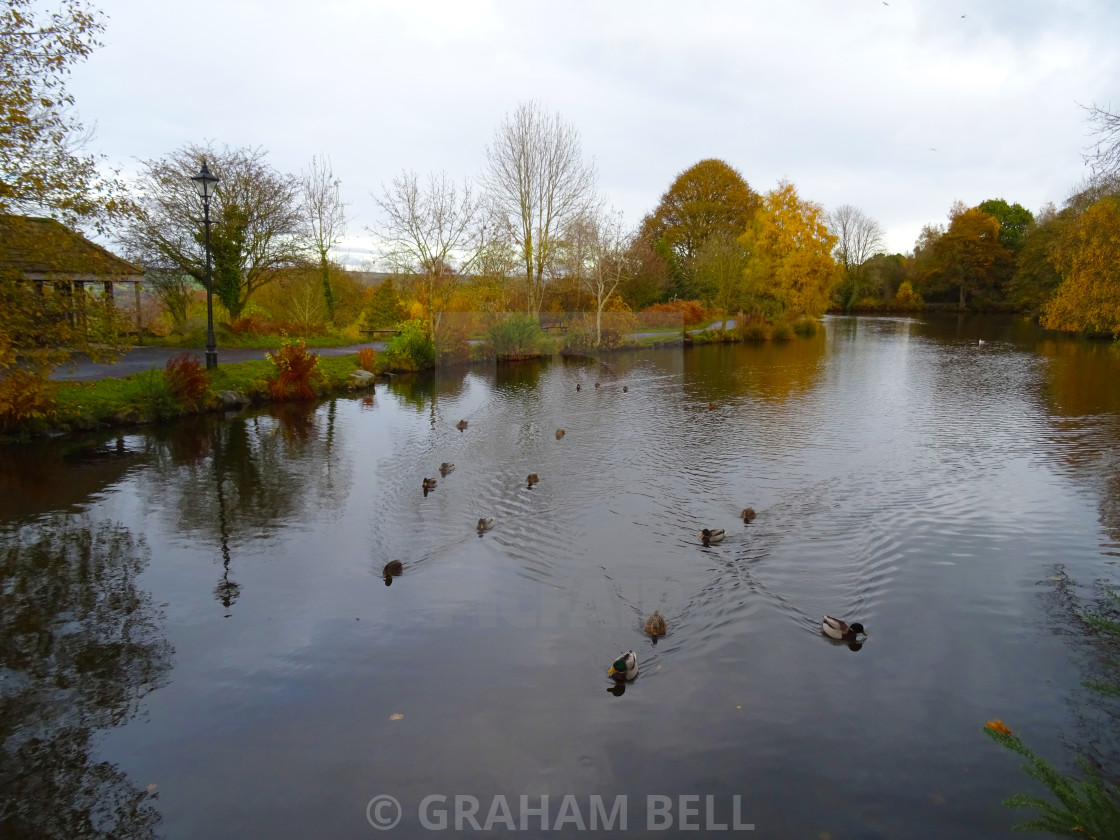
pixel 712 535
pixel 596 384
pixel 579 387
pixel 711 406
pixel 446 467
pixel 486 523
pixel 747 515
pixel 533 479
pixel 462 424
pixel 625 668
pixel 393 568
pixel 834 628
pixel 560 433
pixel 655 625
pixel 625 388
pixel 429 484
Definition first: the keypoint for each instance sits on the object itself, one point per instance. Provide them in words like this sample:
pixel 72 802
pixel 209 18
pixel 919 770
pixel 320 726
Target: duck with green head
pixel 834 628
pixel 625 668
pixel 710 536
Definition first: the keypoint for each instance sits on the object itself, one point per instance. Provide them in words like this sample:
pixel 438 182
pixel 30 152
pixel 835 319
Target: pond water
pixel 198 641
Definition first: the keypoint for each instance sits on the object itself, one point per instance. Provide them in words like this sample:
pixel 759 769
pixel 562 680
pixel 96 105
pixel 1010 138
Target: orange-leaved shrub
pixel 691 311
pixel 24 395
pixel 365 359
pixel 187 379
pixel 254 324
pixel 295 371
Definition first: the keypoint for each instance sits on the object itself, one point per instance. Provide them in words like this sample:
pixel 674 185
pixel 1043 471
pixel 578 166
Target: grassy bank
pixel 161 395
pixel 157 395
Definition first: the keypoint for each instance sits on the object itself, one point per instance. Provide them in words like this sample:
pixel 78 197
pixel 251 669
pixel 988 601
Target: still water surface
pixel 200 608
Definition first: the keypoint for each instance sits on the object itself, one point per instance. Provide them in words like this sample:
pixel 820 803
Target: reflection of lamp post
pixel 227 591
pixel 206 183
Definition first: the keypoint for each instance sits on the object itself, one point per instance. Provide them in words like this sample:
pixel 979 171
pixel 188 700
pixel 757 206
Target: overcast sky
pixel 848 99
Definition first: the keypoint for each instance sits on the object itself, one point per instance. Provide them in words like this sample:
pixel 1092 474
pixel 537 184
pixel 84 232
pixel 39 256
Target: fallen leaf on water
pixel 658 667
pixel 738 707
pixel 396 716
pixel 151 787
pixel 938 799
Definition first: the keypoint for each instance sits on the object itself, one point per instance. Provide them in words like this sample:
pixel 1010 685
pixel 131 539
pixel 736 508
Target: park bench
pixel 379 333
pixel 553 321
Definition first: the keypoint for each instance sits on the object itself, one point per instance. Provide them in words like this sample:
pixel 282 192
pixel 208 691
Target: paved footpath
pixel 146 358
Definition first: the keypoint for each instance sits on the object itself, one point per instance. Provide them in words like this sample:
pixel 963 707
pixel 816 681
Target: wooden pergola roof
pixel 39 249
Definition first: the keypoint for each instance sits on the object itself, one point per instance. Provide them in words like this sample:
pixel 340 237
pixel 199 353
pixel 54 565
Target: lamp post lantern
pixel 205 183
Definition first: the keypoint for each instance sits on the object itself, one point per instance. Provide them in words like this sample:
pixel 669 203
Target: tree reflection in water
pixel 80 646
pixel 1085 617
pixel 226 481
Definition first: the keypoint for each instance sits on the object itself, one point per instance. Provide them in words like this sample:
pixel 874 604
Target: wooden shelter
pixel 46 252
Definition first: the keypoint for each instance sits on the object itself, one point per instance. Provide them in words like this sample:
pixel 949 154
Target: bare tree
pixel 301 301
pixel 593 254
pixel 325 213
pixel 537 179
pixel 574 250
pixel 174 290
pixel 608 248
pixel 256 227
pixel 858 238
pixel 430 230
pixel 493 269
pixel 1105 158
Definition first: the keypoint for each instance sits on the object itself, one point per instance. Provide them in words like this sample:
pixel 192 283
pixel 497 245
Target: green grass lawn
pixel 146 396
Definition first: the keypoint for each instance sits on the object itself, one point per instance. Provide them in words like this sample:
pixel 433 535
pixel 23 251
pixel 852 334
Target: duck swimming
pixel 446 467
pixel 560 433
pixel 625 668
pixel 393 568
pixel 655 625
pixel 532 479
pixel 462 424
pixel 711 406
pixel 710 536
pixel 429 484
pixel 747 515
pixel 486 523
pixel 834 628
pixel 578 387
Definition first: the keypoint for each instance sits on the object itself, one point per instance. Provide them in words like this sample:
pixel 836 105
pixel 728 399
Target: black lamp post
pixel 206 183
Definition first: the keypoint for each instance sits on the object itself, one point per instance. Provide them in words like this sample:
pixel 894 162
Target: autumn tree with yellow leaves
pixel 790 270
pixel 44 172
pixel 968 258
pixel 708 199
pixel 1087 256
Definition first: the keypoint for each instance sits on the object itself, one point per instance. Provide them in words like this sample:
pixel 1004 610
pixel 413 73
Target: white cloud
pixel 844 99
